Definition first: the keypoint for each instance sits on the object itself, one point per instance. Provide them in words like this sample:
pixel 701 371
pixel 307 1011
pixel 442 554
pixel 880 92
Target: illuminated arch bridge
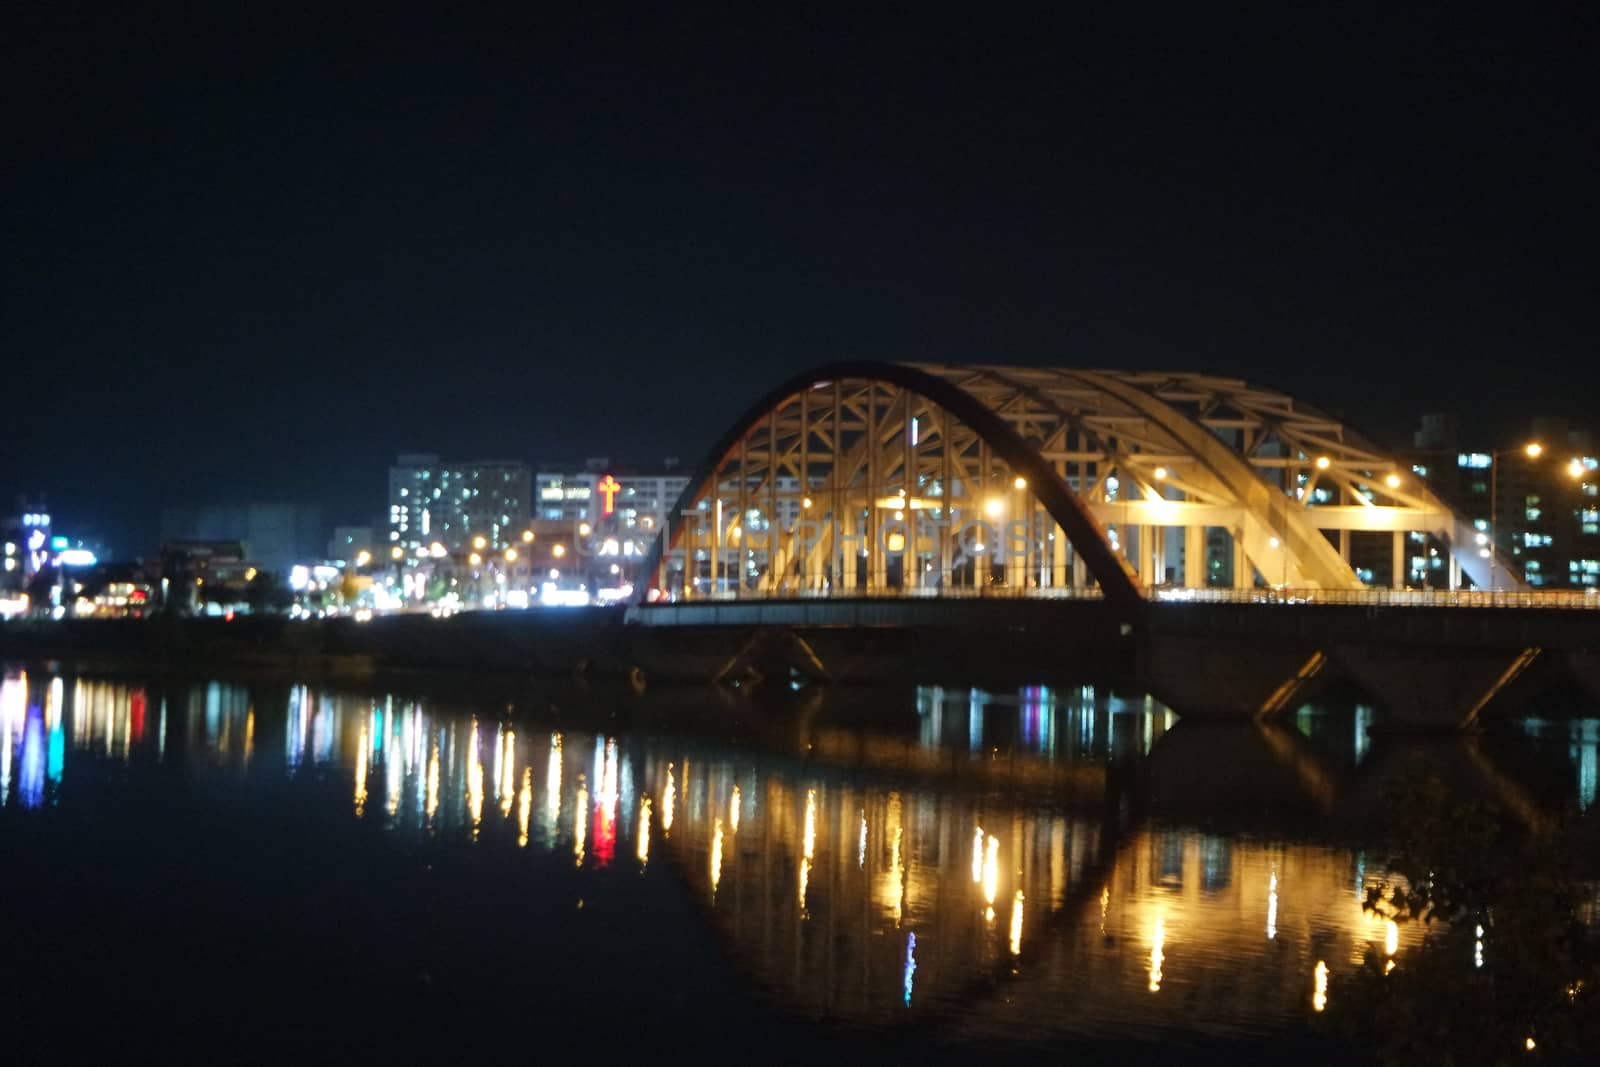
pixel 868 478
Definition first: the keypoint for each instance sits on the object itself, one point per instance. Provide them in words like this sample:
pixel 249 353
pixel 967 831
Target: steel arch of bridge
pixel 866 478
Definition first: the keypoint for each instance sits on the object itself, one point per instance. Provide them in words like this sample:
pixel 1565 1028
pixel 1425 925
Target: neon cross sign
pixel 609 487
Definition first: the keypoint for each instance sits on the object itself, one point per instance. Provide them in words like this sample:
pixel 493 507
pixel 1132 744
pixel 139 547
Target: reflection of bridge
pixel 861 893
pixel 1143 514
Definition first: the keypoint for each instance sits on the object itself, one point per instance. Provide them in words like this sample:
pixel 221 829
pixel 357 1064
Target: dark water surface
pixel 257 872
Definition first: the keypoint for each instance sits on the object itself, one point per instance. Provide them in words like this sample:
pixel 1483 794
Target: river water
pixel 268 871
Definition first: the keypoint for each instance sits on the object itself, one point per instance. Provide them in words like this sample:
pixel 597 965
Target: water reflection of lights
pixel 474 780
pixel 808 844
pixel 433 781
pixel 897 876
pixel 580 822
pixel 893 895
pixel 608 772
pixel 716 859
pixel 394 780
pixel 605 804
pixel 552 798
pixel 991 875
pixel 915 868
pixel 1477 946
pixel 524 806
pixel 1272 907
pixel 1158 955
pixel 910 969
pixel 643 845
pixel 361 774
pixel 809 839
pixel 506 776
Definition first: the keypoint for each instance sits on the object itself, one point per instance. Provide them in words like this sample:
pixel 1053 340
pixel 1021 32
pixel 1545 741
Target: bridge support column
pixel 1243 572
pixel 1397 560
pixel 946 548
pixel 1194 557
pixel 849 551
pixel 690 567
pixel 1016 565
pixel 1213 678
pixel 1585 667
pixel 1433 688
pixel 1059 575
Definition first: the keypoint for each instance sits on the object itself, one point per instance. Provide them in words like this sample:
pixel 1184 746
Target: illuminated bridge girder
pixel 922 479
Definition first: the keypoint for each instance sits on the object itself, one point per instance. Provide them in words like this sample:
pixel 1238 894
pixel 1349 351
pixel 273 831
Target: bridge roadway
pixel 1431 661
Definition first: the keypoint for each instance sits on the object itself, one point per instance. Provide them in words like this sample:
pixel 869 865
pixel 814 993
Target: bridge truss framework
pixel 919 479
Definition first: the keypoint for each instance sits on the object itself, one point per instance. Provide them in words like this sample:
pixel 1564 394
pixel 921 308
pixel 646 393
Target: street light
pixel 1533 450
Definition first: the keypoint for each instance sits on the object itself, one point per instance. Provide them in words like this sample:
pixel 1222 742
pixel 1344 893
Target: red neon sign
pixel 609 487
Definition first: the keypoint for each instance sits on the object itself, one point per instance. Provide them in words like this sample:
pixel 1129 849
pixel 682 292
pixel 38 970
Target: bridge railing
pixel 981 592
pixel 1556 599
pixel 1560 599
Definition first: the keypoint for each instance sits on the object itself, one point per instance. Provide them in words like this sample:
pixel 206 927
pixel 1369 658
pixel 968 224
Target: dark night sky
pixel 255 260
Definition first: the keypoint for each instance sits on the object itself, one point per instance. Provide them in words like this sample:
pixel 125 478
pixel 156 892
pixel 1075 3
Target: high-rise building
pixel 275 535
pixel 1540 506
pixel 454 503
pixel 594 523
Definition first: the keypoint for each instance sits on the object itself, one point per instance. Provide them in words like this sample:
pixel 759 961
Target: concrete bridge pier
pixel 1223 678
pixel 1433 688
pixel 1585 668
pixel 775 655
